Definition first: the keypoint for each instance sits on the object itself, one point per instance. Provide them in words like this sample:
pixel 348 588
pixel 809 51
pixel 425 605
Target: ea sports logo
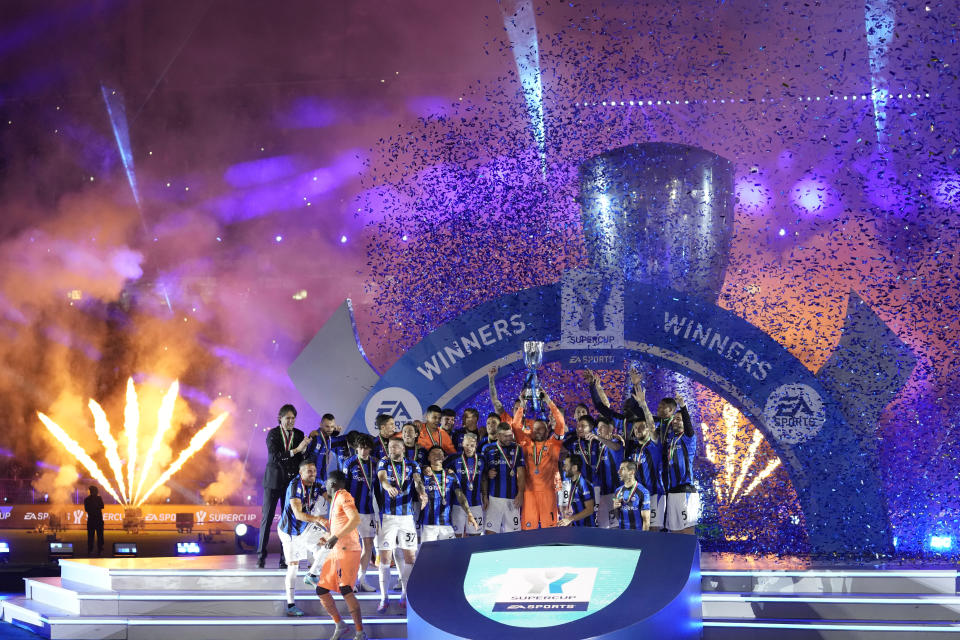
pixel 396 402
pixel 794 412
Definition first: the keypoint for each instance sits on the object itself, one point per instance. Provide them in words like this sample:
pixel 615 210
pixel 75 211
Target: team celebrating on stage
pixel 435 480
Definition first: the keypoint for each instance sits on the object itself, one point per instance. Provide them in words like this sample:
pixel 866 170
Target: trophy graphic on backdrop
pixel 533 358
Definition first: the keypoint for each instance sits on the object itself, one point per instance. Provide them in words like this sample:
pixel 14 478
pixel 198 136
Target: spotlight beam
pixel 520 22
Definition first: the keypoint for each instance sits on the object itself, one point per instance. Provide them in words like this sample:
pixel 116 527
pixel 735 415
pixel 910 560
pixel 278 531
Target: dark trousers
pixel 270 499
pixel 94 529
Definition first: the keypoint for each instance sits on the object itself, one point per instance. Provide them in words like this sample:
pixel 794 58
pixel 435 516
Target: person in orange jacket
pixel 542 451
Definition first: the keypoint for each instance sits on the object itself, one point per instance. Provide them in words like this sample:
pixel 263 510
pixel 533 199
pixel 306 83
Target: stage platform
pixel 215 597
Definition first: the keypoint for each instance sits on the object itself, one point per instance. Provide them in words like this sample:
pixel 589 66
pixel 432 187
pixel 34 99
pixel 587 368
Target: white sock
pixel 384 569
pixel 405 571
pixel 290 578
pixel 319 557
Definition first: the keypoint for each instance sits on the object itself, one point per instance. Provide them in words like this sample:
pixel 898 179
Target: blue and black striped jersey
pixel 648 457
pixel 307 496
pixel 508 461
pixel 417 454
pixel 633 502
pixel 607 473
pixel 580 492
pixel 440 488
pixel 470 473
pixel 589 451
pixel 362 481
pixel 400 476
pixel 679 454
pixel 457 437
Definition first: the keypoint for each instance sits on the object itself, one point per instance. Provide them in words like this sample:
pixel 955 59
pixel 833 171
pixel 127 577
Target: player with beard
pixel 442 488
pixel 301 527
pixel 489 433
pixel 606 473
pixel 631 500
pixel 541 451
pixel 470 469
pixel 412 450
pixel 386 430
pixel 644 450
pixel 471 418
pixel 504 483
pixel 580 510
pixel 399 480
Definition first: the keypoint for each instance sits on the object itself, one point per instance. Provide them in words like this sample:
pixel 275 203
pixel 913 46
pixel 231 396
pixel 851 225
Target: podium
pixel 549 584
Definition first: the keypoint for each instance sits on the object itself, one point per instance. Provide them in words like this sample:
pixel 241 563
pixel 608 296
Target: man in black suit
pixel 285 447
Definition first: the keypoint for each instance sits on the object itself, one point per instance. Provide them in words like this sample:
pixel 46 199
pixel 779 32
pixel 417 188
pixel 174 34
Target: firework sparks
pixel 747 462
pixel 130 495
pixel 77 451
pixel 110 447
pixel 770 468
pixel 196 443
pixel 131 425
pixel 164 422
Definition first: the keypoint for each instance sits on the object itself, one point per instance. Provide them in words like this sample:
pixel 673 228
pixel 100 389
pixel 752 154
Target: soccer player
pixel 542 453
pixel 412 450
pixel 470 469
pixel 448 421
pixel 432 435
pixel 330 447
pixel 344 560
pixel 361 473
pixel 586 446
pixel 442 487
pixel 504 482
pixel 490 433
pixel 631 500
pixel 386 429
pixel 644 450
pixel 399 480
pixel 579 512
pixel 471 419
pixel 679 447
pixel 301 526
pixel 606 472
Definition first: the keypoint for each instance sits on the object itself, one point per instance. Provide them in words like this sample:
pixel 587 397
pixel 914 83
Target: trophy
pixel 533 358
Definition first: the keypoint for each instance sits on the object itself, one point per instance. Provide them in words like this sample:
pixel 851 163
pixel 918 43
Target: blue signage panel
pixel 840 494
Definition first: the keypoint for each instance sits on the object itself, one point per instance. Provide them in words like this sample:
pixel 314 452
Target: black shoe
pixel 283 565
pixel 261 563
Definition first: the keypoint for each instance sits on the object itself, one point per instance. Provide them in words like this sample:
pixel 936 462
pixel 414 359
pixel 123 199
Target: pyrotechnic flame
pixel 102 428
pixel 164 423
pixel 730 421
pixel 763 474
pixel 74 448
pixel 131 425
pixel 196 443
pixel 747 461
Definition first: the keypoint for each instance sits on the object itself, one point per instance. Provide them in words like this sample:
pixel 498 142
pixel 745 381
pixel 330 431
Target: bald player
pixel 541 450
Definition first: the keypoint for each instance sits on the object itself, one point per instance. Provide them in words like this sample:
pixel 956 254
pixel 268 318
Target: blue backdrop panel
pixel 557 583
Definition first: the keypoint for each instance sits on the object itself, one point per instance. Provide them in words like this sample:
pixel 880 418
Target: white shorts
pixel 607 517
pixel 502 516
pixel 459 518
pixel 368 525
pixel 437 532
pixel 303 546
pixel 683 510
pixel 397 532
pixel 658 504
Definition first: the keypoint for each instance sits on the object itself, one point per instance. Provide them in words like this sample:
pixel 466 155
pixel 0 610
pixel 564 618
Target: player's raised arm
pixel 492 384
pixel 559 422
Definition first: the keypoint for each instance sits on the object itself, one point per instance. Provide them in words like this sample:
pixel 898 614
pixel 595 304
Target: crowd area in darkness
pixel 349 499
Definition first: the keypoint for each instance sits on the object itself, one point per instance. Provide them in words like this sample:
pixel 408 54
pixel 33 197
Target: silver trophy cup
pixel 533 358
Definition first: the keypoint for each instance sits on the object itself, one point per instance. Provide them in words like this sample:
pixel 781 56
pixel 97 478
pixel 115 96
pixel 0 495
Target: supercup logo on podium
pixel 533 358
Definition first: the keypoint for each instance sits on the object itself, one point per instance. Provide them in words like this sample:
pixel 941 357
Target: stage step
pixel 858 581
pixel 882 607
pixel 204 573
pixel 807 629
pixel 54 623
pixel 84 600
